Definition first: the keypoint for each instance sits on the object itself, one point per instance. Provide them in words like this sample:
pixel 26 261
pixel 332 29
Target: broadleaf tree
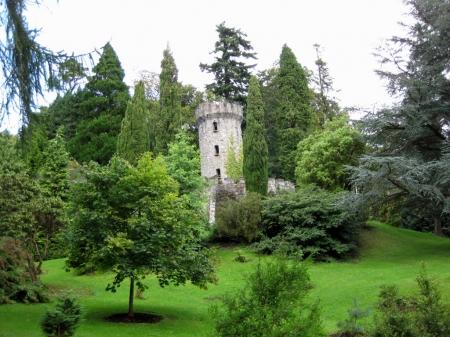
pixel 411 148
pixel 231 74
pixel 255 146
pixel 132 219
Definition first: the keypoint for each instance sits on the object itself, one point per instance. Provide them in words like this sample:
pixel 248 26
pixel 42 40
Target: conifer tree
pixel 104 102
pixel 255 146
pixel 231 74
pixel 134 138
pixel 170 106
pixel 294 115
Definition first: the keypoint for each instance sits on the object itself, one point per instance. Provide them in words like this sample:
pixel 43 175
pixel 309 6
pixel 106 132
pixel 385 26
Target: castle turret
pixel 218 123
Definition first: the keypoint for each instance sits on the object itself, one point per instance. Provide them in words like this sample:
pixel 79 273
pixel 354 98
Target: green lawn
pixel 388 255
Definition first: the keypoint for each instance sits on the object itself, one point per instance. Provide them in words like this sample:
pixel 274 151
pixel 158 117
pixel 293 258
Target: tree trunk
pixel 438 227
pixel 131 298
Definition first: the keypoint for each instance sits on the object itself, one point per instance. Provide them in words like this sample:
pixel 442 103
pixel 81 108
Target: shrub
pixel 272 303
pixel 63 320
pixel 238 220
pixel 352 327
pixel 16 285
pixel 421 315
pixel 308 222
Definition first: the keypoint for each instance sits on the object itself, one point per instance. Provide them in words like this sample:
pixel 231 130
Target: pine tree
pixel 255 146
pixel 104 102
pixel 170 106
pixel 294 115
pixel 134 137
pixel 231 75
pixel 412 139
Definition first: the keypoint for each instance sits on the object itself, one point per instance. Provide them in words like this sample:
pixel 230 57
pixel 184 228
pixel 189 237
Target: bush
pixel 238 220
pixel 308 222
pixel 16 285
pixel 352 327
pixel 63 320
pixel 272 303
pixel 421 315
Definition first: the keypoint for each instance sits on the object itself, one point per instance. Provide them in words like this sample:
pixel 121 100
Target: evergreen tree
pixel 104 102
pixel 255 146
pixel 411 140
pixel 294 115
pixel 169 122
pixel 134 137
pixel 231 74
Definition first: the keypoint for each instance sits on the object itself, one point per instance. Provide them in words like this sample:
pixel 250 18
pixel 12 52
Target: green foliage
pixel 34 149
pixel 411 139
pixel 183 165
pixel 294 115
pixel 270 94
pixel 239 220
pixel 351 326
pixel 63 320
pixel 272 303
pixel 234 162
pixel 255 146
pixel 321 156
pixel 16 284
pixel 131 219
pixel 241 257
pixel 424 314
pixel 231 74
pixel 10 158
pixel 169 117
pixel 134 137
pixel 104 101
pixel 308 222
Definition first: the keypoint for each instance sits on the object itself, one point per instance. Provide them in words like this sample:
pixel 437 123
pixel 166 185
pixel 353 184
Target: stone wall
pixel 223 189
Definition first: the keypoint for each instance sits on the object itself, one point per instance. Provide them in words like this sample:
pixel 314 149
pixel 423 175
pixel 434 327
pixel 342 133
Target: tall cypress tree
pixel 255 146
pixel 134 137
pixel 170 106
pixel 104 102
pixel 294 115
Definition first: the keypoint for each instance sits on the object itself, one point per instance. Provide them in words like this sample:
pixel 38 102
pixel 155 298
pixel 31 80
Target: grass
pixel 387 256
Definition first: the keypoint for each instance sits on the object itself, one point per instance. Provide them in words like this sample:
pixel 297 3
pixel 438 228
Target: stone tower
pixel 217 123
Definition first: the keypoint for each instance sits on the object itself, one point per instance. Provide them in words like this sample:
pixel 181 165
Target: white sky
pixel 139 30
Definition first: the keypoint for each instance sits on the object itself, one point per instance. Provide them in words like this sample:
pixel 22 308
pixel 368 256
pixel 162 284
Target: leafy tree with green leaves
pixel 255 146
pixel 134 137
pixel 411 139
pixel 11 160
pixel 231 74
pixel 272 303
pixel 169 118
pixel 294 116
pixel 132 219
pixel 322 156
pixel 234 162
pixel 105 99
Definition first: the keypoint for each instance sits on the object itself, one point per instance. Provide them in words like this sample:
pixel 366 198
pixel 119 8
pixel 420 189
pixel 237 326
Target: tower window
pixel 215 126
pixel 216 148
pixel 218 173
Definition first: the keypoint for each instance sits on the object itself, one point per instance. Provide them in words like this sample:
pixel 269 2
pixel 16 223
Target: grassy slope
pixel 388 255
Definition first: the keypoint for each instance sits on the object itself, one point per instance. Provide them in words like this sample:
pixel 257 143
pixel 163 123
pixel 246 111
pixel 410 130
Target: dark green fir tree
pixel 134 137
pixel 231 74
pixel 105 99
pixel 294 115
pixel 169 121
pixel 255 146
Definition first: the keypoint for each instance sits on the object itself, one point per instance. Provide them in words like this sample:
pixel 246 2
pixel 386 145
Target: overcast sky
pixel 139 31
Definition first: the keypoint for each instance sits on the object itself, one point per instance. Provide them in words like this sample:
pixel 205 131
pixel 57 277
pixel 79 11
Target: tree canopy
pixel 411 151
pixel 231 74
pixel 132 219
